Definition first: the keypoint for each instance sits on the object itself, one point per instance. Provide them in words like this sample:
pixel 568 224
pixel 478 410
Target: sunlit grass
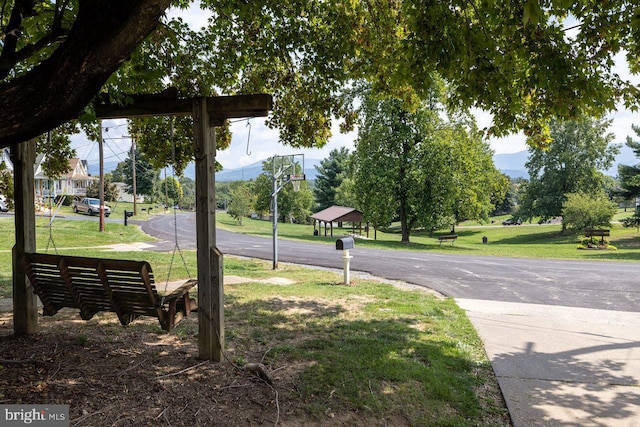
pixel 529 240
pixel 370 347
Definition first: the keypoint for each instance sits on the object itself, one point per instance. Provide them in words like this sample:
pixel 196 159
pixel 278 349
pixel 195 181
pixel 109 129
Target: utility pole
pixel 133 175
pixel 101 184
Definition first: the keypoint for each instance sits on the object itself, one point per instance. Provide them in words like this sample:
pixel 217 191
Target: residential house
pixel 72 183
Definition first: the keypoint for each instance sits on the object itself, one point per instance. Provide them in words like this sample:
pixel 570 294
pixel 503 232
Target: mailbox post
pixel 127 214
pixel 344 244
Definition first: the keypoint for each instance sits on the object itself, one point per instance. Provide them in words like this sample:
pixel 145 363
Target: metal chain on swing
pixel 175 219
pixel 53 243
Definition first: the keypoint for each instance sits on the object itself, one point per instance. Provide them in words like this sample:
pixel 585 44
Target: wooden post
pixel 210 264
pixel 25 310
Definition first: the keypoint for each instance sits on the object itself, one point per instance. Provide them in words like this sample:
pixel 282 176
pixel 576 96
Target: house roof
pixel 338 214
pixel 77 169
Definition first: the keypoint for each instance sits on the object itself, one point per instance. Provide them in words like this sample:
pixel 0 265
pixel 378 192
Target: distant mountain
pixel 512 164
pixel 94 168
pixel 252 171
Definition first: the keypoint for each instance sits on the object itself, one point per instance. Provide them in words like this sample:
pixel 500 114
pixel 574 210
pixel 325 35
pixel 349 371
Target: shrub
pixel 582 211
pixel 632 221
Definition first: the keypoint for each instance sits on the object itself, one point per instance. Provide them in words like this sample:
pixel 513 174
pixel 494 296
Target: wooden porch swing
pixel 127 287
pixel 91 285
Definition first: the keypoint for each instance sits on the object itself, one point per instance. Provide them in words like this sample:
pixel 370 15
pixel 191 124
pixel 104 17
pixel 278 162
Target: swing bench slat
pixel 96 284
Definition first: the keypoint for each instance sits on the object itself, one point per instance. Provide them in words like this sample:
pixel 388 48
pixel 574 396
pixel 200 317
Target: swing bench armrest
pixel 182 292
pixel 178 304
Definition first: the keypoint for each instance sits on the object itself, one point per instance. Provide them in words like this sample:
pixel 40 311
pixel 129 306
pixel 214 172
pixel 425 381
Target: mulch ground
pixel 141 376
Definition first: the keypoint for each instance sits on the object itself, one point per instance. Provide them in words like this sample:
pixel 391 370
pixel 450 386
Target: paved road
pixel 598 285
pixel 563 337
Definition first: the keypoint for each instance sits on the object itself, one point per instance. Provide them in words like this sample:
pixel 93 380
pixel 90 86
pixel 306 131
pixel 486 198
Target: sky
pixel 252 141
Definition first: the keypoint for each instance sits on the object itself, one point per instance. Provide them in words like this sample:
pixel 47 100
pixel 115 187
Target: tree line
pixel 429 173
pixel 512 59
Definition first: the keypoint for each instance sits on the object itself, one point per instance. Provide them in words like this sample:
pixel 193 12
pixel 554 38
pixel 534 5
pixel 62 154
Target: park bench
pixel 596 232
pixel 92 285
pixel 448 237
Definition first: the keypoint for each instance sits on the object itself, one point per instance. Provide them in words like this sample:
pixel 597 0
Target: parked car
pixel 512 221
pixel 89 206
pixel 3 206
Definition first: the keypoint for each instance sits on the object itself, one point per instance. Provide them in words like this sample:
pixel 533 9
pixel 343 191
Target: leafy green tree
pixel 223 194
pixel 6 183
pixel 511 58
pixel 147 177
pixel 64 53
pixel 110 189
pixel 581 210
pixel 263 188
pixel 242 200
pixel 330 174
pixel 505 205
pixel 168 141
pixel 572 164
pixel 292 205
pixel 478 184
pixel 55 146
pixel 346 193
pixel 417 166
pixel 188 200
pixel 170 187
pixel 629 176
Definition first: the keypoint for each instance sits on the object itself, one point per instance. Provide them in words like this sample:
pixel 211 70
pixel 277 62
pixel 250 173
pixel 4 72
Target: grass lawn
pixel 523 241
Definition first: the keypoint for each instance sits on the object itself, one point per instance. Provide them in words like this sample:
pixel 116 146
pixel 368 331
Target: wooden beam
pixel 209 258
pixel 25 310
pixel 219 108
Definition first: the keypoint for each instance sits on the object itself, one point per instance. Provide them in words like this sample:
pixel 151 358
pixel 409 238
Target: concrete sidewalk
pixel 562 366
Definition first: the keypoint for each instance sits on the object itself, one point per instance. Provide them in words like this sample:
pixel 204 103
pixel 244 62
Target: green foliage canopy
pixel 292 205
pixel 580 210
pixel 572 164
pixel 418 167
pixel 629 176
pixel 242 200
pixel 517 60
pixel 331 173
pixel 110 189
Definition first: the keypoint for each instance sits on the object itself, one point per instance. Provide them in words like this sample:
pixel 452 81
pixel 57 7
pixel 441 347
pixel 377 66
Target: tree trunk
pixel 404 221
pixel 57 90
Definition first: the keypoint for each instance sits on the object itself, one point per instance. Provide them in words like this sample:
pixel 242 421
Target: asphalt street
pixel 597 285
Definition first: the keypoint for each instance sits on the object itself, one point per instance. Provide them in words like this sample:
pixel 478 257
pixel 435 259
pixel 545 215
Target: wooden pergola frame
pixel 207 112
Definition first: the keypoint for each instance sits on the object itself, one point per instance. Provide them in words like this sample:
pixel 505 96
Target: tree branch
pixel 12 33
pixel 102 37
pixel 30 49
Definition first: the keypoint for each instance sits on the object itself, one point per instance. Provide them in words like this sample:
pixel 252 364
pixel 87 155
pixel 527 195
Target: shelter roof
pixel 338 214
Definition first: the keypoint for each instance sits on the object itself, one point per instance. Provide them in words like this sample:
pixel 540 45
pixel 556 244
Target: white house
pixel 72 183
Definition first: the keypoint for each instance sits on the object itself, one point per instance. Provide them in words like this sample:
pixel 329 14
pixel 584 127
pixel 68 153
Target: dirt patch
pixel 140 376
pixel 270 280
